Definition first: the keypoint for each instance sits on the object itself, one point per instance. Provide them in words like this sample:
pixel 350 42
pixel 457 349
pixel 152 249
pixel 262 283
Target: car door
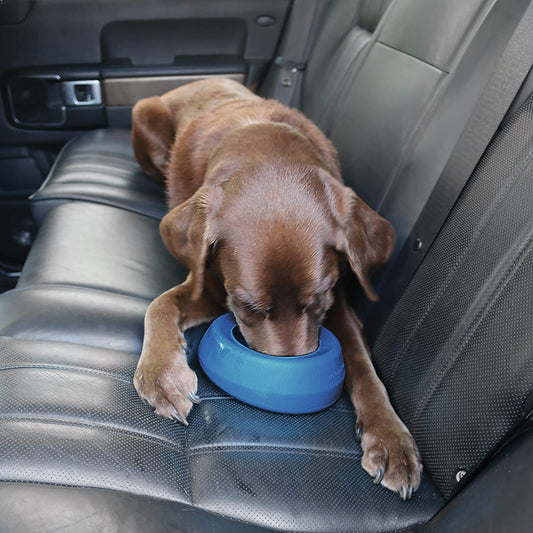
pixel 68 66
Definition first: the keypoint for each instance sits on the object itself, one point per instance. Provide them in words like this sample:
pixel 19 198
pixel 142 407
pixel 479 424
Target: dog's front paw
pixel 168 385
pixel 390 456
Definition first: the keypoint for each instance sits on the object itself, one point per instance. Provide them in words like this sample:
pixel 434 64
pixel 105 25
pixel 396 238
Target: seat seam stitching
pixel 37 286
pixel 218 448
pixel 67 368
pixel 425 61
pixel 95 425
pixel 99 201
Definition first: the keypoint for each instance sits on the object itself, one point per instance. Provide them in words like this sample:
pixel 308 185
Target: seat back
pixel 392 83
pixel 394 90
pixel 456 353
pixel 337 54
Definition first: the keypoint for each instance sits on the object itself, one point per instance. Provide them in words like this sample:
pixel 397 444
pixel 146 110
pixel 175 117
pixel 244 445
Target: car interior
pixel 430 106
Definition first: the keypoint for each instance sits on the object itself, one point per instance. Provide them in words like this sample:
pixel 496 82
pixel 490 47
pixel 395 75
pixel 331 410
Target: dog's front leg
pixel 163 378
pixel 390 454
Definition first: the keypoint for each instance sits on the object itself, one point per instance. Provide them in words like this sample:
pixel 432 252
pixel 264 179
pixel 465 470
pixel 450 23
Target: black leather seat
pixel 101 248
pixel 72 418
pixel 88 292
pixel 455 353
pixel 382 92
pixel 99 167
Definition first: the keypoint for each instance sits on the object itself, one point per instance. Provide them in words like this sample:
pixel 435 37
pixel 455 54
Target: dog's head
pixel 275 244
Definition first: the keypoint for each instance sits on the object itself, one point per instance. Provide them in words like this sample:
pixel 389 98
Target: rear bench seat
pixel 99 167
pixel 72 330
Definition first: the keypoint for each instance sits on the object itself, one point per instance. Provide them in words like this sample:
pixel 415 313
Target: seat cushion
pixel 75 315
pixel 72 332
pixel 100 167
pixel 89 278
pixel 104 248
pixel 70 417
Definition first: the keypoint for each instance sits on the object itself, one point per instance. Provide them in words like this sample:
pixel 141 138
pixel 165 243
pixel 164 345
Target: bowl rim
pixel 290 357
pixel 292 385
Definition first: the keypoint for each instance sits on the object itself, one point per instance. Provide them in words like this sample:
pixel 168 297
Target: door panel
pixel 67 66
pixel 62 40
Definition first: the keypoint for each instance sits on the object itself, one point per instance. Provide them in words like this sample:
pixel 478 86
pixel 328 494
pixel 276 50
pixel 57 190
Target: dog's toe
pixel 170 390
pixel 391 457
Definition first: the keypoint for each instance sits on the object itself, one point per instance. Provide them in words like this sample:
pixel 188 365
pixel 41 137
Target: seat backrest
pixel 394 91
pixel 340 47
pixel 392 83
pixel 456 353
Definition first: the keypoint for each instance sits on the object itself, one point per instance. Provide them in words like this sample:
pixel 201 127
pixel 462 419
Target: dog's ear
pixel 152 136
pixel 365 238
pixel 188 232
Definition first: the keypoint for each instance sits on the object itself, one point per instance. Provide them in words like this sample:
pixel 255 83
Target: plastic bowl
pixel 296 385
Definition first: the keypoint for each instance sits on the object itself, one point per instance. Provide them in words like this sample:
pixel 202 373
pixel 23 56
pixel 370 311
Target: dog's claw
pixel 409 492
pixel 359 433
pixel 403 493
pixel 180 419
pixel 379 476
pixel 194 397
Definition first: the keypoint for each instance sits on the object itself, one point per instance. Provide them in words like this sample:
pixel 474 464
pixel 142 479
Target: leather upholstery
pixel 127 248
pixel 338 52
pixel 379 110
pixel 100 167
pixel 469 306
pixel 489 502
pixel 70 346
pixel 104 510
pixel 76 315
pixel 397 89
pixel 71 417
pixel 74 435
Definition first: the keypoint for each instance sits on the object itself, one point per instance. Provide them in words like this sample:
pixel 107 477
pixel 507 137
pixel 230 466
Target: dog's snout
pixel 282 339
pixel 290 351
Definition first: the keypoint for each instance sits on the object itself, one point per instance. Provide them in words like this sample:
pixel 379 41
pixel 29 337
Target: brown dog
pixel 260 217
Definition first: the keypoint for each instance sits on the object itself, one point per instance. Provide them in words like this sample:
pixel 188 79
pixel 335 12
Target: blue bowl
pixel 296 385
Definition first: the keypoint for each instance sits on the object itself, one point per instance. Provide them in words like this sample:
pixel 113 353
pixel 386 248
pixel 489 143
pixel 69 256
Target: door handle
pixel 81 92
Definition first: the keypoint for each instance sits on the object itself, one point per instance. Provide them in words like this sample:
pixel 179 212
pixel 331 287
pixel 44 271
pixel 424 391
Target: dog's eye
pixel 248 310
pixel 315 309
pixel 319 304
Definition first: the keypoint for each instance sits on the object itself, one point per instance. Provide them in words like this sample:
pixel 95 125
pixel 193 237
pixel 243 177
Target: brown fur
pixel 260 216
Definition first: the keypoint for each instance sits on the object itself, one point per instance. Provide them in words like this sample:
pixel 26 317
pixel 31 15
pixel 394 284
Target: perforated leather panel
pixel 457 352
pixel 69 416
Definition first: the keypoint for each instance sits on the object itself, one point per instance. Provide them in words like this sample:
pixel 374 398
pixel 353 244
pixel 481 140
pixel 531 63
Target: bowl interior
pixel 238 337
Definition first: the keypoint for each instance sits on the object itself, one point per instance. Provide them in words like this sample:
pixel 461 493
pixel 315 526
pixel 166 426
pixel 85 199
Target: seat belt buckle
pixel 288 70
